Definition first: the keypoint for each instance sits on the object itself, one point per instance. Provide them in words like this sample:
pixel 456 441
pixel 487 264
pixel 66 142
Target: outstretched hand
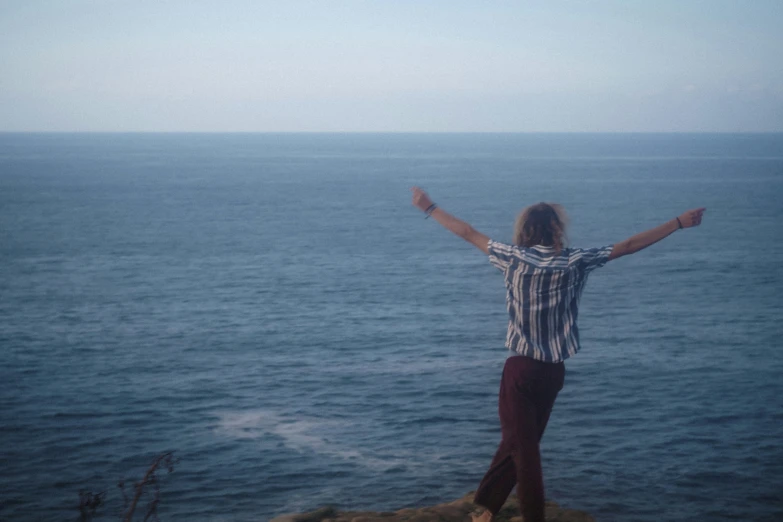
pixel 420 199
pixel 692 218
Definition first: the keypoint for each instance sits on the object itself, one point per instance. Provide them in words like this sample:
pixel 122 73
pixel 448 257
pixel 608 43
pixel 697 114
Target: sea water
pixel 273 310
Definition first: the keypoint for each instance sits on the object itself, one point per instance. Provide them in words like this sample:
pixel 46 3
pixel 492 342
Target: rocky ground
pixel 457 511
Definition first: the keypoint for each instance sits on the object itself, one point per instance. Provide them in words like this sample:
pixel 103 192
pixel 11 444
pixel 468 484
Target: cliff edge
pixel 456 511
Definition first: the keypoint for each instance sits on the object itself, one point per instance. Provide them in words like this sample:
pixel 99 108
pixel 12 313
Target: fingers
pixel 696 216
pixel 420 198
pixel 418 193
pixel 691 218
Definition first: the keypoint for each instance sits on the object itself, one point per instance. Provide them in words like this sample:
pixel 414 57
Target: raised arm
pixel 633 244
pixel 422 201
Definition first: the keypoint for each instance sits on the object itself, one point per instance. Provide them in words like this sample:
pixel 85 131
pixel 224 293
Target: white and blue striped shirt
pixel 543 296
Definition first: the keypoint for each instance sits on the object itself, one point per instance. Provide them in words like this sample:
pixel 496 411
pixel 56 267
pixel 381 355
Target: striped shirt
pixel 543 296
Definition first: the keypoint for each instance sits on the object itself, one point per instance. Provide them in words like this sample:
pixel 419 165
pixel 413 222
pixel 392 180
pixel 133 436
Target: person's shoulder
pixel 574 254
pixel 503 255
pixel 589 256
pixel 579 251
pixel 503 247
pixel 500 243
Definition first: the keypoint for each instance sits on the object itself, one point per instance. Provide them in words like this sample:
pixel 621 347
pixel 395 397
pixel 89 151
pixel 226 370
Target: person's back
pixel 543 291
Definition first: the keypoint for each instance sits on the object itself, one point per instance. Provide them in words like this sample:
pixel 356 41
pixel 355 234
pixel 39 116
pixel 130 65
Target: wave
pixel 307 434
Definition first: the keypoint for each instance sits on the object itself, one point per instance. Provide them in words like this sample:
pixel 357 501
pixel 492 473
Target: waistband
pixel 523 362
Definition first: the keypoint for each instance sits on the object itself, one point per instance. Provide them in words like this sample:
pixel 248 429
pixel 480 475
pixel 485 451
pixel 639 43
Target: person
pixel 544 281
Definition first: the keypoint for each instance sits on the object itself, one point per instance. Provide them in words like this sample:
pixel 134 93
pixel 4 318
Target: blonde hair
pixel 541 224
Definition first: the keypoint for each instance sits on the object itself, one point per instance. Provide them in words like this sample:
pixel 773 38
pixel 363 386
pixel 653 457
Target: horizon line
pixel 384 132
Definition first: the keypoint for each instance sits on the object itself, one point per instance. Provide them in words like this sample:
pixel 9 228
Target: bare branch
pixel 149 478
pixel 89 502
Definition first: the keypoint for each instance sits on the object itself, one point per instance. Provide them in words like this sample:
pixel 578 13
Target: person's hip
pixel 534 375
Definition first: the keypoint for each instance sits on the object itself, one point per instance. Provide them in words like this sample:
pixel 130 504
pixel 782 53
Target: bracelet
pixel 679 223
pixel 430 210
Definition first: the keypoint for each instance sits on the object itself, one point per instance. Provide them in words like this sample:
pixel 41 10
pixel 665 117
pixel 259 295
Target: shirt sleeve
pixel 501 255
pixel 591 258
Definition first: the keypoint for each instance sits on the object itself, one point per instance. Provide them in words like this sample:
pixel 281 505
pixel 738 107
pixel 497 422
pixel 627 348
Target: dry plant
pixel 89 502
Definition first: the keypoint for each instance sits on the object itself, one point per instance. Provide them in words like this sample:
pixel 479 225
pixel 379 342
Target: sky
pixel 391 66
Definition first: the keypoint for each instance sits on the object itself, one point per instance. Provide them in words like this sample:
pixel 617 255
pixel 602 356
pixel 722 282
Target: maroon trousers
pixel 528 390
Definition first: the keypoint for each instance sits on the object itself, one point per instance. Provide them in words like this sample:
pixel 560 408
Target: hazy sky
pixel 394 65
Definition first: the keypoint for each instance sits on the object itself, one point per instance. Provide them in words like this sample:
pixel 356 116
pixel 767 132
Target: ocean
pixel 273 309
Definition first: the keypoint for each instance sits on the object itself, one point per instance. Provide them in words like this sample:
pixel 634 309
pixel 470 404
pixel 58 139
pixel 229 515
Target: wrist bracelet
pixel 430 210
pixel 679 223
